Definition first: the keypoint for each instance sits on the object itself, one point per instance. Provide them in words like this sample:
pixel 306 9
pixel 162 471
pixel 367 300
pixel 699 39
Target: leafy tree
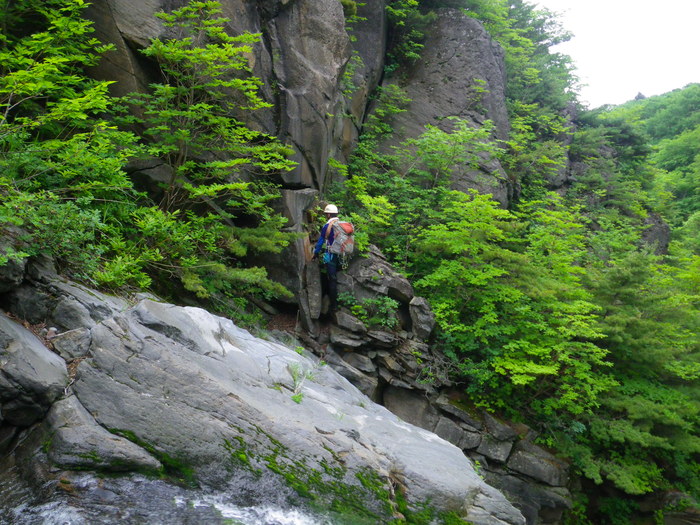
pixel 43 87
pixel 63 185
pixel 669 115
pixel 193 117
pixel 192 120
pixel 512 327
pixel 556 311
pixel 644 435
pixel 407 27
pixel 61 181
pixel 517 317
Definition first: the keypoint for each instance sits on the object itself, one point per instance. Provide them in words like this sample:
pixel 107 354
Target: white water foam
pixel 264 515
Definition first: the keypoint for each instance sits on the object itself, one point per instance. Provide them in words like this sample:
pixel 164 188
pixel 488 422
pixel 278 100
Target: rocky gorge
pixel 125 408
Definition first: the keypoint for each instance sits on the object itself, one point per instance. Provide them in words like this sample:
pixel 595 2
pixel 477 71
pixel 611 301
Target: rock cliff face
pixel 319 82
pixel 460 74
pixel 155 388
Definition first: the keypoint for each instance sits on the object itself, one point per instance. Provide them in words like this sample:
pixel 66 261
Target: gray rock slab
pixel 470 439
pixel 535 462
pixel 422 317
pixel 359 361
pixel 349 322
pixel 187 382
pixel 31 375
pixel 382 338
pixel 538 503
pixel 412 407
pixel 345 338
pixel 78 442
pixel 72 344
pixel 449 431
pixel 81 307
pixel 451 408
pixel 494 449
pixel 497 429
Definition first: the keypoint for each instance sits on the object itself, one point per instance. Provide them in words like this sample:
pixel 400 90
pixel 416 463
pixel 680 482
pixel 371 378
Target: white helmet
pixel 331 208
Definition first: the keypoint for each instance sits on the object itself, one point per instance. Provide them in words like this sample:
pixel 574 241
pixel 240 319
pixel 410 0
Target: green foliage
pixel 62 184
pixel 64 188
pixel 672 123
pixel 349 9
pixel 191 117
pixel 557 311
pixel 526 328
pixel 666 116
pixel 400 193
pixel 407 27
pixel 192 122
pixel 505 288
pixel 535 150
pixel 375 312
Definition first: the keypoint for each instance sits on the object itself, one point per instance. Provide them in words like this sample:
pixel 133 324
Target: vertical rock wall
pixel 461 74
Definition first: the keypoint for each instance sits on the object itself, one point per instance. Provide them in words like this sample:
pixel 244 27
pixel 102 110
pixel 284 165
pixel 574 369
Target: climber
pixel 331 261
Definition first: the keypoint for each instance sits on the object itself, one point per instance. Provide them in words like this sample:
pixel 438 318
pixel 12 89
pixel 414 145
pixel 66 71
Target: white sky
pixel 624 47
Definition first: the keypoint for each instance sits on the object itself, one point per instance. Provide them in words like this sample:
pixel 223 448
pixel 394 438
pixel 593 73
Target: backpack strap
pixel 330 225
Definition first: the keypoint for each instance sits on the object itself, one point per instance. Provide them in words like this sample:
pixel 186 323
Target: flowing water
pixel 90 500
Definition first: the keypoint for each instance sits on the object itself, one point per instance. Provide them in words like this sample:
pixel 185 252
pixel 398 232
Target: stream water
pixel 89 500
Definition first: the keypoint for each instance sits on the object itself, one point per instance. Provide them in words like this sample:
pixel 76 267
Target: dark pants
pixel 332 267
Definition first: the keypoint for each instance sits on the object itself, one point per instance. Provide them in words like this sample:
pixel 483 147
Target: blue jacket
pixel 322 238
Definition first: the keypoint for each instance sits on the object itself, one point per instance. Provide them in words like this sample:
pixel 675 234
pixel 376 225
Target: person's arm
pixel 321 240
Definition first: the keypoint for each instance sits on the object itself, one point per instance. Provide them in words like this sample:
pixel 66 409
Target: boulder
pixel 31 376
pixel 345 338
pixel 495 449
pixel 446 405
pixel 449 431
pixel 412 407
pixel 382 338
pixel 372 275
pixel 538 464
pixel 349 322
pixel 193 386
pixel 470 439
pixel 540 504
pixel 422 317
pixel 359 361
pixel 78 442
pixel 497 429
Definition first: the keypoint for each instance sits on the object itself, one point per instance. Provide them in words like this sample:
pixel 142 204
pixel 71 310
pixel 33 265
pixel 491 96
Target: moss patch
pixel 174 468
pixel 328 487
